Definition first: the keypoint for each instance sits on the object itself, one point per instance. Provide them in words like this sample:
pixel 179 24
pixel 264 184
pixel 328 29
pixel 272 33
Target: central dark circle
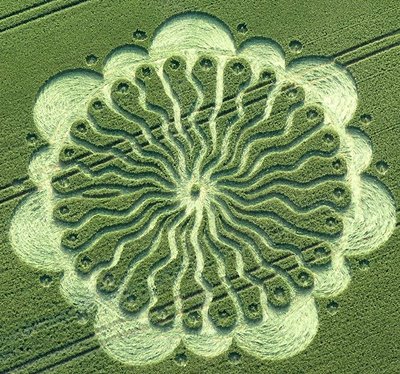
pixel 195 191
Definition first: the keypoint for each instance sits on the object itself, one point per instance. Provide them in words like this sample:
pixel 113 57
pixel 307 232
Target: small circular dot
pixel 296 46
pixel 338 192
pixel 81 127
pixel 237 67
pixel 267 75
pixel 292 92
pixel 139 34
pixel 206 63
pixel 31 138
pixel 69 152
pixel 45 280
pixel 109 280
pixel 174 64
pixel 336 164
pixel 234 357
pixel 123 87
pixel 194 316
pixel 223 314
pixel 131 299
pixel 181 359
pixel 146 71
pixel 364 264
pixel 85 261
pixel 231 120
pixel 98 105
pixel 331 221
pixel 163 314
pixel 304 277
pixel 332 307
pixel 365 118
pixel 312 114
pixel 91 59
pixel 72 237
pixel 64 210
pixel 320 252
pixel 279 292
pixel 382 167
pixel 253 307
pixel 329 138
pixel 242 28
pixel 64 182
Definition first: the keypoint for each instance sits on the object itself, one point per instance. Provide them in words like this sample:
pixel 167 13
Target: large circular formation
pixel 201 193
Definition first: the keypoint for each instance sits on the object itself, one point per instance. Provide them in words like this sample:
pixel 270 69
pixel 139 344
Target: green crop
pixel 196 193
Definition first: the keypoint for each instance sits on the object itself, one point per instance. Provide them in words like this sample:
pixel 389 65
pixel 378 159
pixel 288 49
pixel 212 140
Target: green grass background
pixel 39 331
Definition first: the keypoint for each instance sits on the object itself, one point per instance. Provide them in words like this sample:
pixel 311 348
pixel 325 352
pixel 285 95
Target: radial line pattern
pixel 198 190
